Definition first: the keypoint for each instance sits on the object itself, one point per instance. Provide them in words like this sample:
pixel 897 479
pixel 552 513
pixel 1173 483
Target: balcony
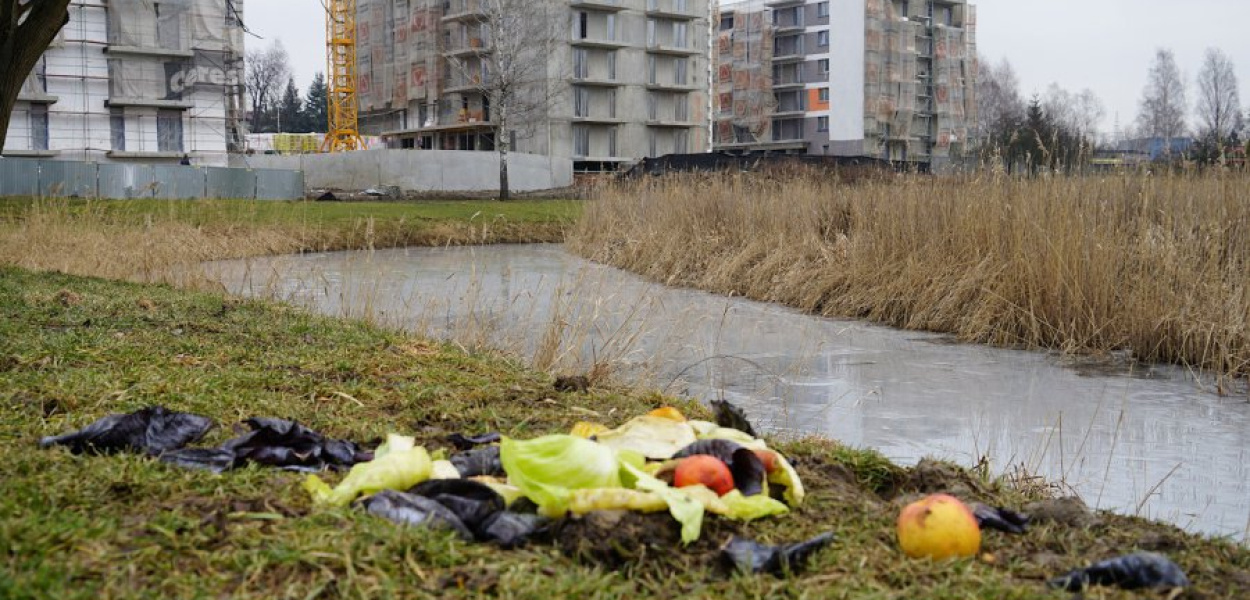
pixel 670 9
pixel 463 10
pixel 148 102
pixel 672 123
pixel 601 5
pixel 788 83
pixel 148 51
pixel 595 81
pixel 661 86
pixel 460 85
pixel 660 47
pixel 594 42
pixel 37 98
pixel 597 120
pixel 470 47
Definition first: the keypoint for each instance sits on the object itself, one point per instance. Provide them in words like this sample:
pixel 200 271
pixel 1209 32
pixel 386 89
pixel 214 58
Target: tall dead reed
pixel 1155 265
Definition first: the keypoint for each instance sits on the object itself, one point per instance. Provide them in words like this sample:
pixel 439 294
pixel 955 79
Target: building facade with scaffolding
pixel 625 79
pixel 136 81
pixel 885 79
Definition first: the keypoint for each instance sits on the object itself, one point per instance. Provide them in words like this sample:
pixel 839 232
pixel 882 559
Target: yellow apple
pixel 938 526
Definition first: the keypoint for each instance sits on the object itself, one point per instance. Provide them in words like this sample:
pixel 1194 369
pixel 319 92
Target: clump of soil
pixel 1070 512
pixel 933 477
pixel 67 297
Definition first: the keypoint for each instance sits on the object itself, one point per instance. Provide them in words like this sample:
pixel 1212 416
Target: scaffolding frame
pixel 342 129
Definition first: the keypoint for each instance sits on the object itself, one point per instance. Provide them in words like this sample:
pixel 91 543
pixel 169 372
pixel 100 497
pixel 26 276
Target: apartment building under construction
pixel 136 81
pixel 889 79
pixel 627 78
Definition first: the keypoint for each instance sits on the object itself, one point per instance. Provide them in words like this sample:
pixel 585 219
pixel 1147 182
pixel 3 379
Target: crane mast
pixel 342 134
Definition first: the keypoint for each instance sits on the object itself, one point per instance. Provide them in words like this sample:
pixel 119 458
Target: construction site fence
pixel 75 179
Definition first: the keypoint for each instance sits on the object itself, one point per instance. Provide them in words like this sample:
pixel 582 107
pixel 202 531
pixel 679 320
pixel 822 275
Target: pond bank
pixel 75 349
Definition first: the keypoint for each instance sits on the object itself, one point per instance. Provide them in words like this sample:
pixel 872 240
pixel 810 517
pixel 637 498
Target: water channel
pixel 1138 440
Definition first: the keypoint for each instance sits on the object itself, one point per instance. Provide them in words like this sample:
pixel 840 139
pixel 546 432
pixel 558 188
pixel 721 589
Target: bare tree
pixel 267 71
pixel 26 29
pixel 1079 113
pixel 1163 105
pixel 998 97
pixel 1089 113
pixel 1000 111
pixel 513 68
pixel 1219 103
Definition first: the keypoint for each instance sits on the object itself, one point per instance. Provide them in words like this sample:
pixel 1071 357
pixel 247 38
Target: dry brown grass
pixel 1157 265
pixel 145 240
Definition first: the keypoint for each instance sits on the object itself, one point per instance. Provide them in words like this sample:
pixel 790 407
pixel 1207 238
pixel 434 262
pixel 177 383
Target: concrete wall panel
pixel 419 170
pixel 67 179
pixel 19 177
pixel 231 183
pixel 117 180
pixel 279 185
pixel 178 182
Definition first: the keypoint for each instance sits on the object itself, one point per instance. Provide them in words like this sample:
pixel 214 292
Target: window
pixel 679 71
pixel 611 26
pixel 169 130
pixel 581 139
pixel 822 38
pixel 822 123
pixel 651 69
pixel 823 66
pixel 581 102
pixel 612 141
pixel 117 128
pixel 651 32
pixel 653 106
pixel 681 141
pixel 822 9
pixel 612 64
pixel 581 26
pixel 823 94
pixel 679 34
pixel 652 144
pixel 580 66
pixel 726 21
pixel 612 103
pixel 38 127
pixel 681 108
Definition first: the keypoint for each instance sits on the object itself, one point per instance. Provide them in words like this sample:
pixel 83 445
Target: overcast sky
pixel 1103 45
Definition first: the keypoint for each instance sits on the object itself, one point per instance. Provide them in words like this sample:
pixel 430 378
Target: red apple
pixel 769 458
pixel 704 469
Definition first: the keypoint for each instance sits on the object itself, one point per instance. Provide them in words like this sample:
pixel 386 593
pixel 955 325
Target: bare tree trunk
pixel 6 111
pixel 22 44
pixel 504 192
pixel 502 142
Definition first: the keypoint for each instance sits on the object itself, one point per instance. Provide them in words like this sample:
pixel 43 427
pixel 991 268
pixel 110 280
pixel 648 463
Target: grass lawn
pixel 75 349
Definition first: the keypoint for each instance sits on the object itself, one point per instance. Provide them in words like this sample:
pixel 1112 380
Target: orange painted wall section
pixel 813 101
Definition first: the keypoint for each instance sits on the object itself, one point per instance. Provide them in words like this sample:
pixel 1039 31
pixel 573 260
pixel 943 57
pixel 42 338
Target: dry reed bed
pixel 149 247
pixel 1157 265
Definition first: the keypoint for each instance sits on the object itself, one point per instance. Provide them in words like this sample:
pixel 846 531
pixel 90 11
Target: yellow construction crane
pixel 342 134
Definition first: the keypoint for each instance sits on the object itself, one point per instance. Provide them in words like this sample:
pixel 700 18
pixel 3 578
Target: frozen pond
pixel 1138 441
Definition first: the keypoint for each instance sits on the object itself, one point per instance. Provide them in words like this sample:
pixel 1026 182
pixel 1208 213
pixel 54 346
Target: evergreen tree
pixel 315 116
pixel 291 110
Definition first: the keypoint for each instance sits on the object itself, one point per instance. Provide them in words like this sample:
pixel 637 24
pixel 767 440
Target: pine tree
pixel 315 117
pixel 291 110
